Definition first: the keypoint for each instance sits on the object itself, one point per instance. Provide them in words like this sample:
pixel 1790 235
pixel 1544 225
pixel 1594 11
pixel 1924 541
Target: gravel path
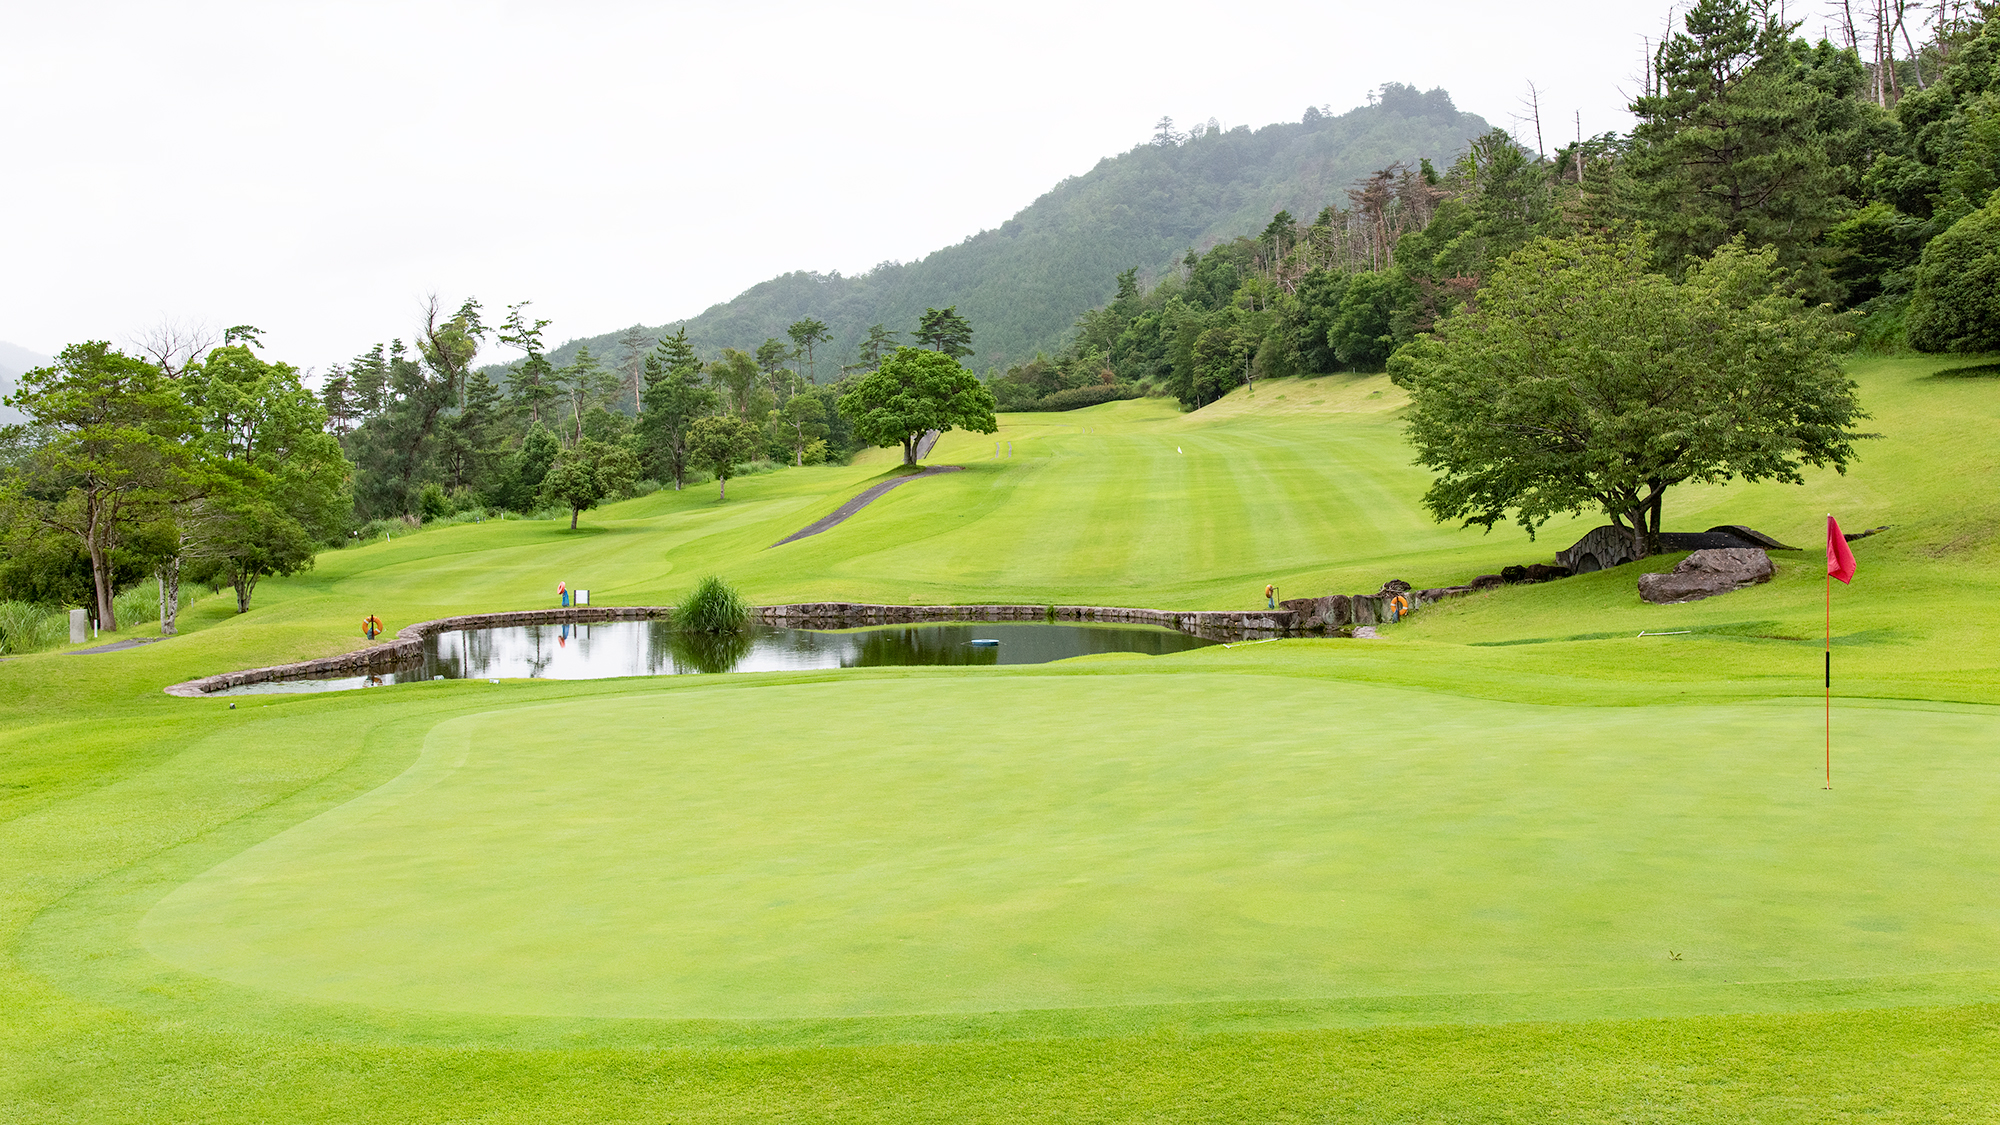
pixel 860 502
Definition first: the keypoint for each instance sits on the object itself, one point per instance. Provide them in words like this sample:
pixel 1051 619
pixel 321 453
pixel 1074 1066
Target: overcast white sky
pixel 316 169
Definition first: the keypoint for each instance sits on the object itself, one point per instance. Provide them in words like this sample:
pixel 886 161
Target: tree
pixel 521 484
pixel 943 330
pixel 337 395
pixel 370 375
pixel 1956 306
pixel 675 398
pixel 878 341
pixel 807 334
pixel 106 448
pixel 532 380
pixel 913 392
pixel 396 448
pixel 734 377
pixel 587 473
pixel 273 483
pixel 799 423
pixel 1579 378
pixel 633 345
pixel 1735 140
pixel 447 344
pixel 585 383
pixel 719 443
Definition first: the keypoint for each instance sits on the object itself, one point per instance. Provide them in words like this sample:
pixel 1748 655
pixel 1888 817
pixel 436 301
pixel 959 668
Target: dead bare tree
pixel 1534 104
pixel 173 344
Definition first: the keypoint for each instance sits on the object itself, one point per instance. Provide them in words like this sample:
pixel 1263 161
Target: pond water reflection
pixel 654 648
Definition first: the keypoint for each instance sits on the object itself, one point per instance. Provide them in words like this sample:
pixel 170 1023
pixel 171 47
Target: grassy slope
pixel 111 793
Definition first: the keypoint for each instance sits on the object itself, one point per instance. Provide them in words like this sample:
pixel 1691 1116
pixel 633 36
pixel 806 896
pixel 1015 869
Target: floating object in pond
pixel 979 643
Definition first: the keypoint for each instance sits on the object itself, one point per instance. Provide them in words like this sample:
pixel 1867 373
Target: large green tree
pixel 273 481
pixel 588 473
pixel 1580 378
pixel 106 448
pixel 913 392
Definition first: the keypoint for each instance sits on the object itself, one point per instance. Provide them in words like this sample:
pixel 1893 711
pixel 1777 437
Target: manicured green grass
pixel 1307 880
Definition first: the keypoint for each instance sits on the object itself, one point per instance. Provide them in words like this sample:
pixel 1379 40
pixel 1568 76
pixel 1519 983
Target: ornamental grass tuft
pixel 714 607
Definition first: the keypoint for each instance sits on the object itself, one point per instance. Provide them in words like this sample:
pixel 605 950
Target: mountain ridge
pixel 1023 284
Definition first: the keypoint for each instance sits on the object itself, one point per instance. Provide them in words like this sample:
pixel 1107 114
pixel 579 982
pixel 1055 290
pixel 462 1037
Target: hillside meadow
pixel 1511 861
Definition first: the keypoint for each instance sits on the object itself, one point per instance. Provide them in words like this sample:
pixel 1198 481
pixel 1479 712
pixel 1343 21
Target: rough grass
pixel 1520 876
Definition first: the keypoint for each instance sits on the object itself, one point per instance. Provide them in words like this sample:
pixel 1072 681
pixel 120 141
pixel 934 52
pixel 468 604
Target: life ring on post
pixel 371 626
pixel 1399 607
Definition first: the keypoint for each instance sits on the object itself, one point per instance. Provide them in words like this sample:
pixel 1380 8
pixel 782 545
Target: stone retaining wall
pixel 1224 625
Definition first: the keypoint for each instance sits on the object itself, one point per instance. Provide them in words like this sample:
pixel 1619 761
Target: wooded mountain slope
pixel 1023 285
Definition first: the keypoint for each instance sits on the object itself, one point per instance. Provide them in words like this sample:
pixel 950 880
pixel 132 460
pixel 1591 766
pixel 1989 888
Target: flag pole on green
pixel 1839 564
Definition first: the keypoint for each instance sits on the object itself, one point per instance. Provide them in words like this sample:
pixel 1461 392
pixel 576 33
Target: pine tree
pixel 1731 141
pixel 943 330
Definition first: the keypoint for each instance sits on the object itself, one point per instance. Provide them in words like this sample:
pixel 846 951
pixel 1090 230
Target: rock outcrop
pixel 1705 574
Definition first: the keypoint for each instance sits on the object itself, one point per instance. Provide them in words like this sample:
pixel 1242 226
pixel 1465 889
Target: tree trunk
pixel 245 584
pixel 100 576
pixel 170 596
pixel 910 449
pixel 721 487
pixel 572 518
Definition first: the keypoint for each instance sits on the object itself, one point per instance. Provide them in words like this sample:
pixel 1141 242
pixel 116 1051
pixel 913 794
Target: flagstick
pixel 1829 680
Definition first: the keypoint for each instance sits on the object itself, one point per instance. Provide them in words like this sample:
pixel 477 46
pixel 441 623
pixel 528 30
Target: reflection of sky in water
pixel 653 648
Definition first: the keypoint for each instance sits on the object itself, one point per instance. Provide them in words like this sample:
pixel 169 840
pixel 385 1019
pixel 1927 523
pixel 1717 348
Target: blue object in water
pixel 978 643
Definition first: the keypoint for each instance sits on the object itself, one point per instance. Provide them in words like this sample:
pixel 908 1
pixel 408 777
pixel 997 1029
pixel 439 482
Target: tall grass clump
pixel 714 608
pixel 31 626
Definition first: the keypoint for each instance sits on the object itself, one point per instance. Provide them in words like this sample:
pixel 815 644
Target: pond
pixel 653 648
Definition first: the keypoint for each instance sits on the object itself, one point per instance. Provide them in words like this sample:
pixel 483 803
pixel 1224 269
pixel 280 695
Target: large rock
pixel 1705 574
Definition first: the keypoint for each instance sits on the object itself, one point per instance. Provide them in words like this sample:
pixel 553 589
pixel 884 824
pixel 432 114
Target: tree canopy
pixel 1581 378
pixel 105 448
pixel 719 443
pixel 1956 306
pixel 915 391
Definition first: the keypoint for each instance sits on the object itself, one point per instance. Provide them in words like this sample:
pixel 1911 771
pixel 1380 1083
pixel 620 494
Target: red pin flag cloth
pixel 1839 564
pixel 1839 560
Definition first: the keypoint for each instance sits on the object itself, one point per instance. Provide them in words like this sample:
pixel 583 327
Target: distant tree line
pixel 199 460
pixel 1869 176
pixel 430 434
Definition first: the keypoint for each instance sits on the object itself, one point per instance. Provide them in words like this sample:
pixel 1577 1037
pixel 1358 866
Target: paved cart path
pixel 862 501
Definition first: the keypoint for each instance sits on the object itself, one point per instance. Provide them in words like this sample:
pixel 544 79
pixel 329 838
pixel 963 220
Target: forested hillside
pixel 1023 285
pixel 15 361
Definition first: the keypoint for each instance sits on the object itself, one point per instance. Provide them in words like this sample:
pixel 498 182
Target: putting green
pixel 937 844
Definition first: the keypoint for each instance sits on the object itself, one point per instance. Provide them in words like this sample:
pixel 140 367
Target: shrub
pixel 1956 306
pixel 432 503
pixel 1077 398
pixel 713 607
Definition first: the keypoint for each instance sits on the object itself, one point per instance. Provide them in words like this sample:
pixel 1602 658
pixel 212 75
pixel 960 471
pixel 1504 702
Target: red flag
pixel 1839 560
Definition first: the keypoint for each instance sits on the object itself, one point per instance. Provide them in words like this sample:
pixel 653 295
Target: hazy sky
pixel 317 169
